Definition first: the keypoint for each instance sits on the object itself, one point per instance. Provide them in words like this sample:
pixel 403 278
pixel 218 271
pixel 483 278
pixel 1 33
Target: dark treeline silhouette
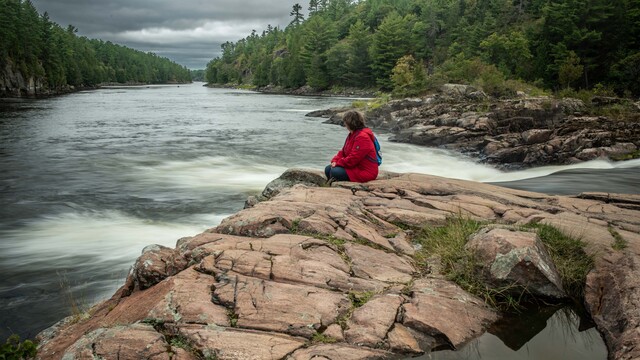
pixel 411 45
pixel 39 48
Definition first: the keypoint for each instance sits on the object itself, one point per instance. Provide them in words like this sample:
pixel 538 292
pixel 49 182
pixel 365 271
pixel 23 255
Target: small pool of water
pixel 547 334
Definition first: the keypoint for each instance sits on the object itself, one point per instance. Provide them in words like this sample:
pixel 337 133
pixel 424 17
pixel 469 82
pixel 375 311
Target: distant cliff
pixel 14 84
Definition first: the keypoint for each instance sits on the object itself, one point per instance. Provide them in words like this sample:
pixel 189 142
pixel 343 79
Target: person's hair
pixel 354 120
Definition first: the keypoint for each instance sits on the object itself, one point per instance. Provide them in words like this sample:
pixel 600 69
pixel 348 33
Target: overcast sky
pixel 188 32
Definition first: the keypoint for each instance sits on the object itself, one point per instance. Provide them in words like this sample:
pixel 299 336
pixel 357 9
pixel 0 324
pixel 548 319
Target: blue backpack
pixel 376 144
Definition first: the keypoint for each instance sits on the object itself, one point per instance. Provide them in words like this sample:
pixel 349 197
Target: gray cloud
pixel 188 32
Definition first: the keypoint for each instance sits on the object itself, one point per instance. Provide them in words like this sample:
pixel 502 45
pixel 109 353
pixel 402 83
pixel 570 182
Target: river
pixel 89 179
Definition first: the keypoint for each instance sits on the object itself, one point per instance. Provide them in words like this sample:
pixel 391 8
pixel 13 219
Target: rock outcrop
pixel 513 133
pixel 329 272
pixel 518 259
pixel 14 84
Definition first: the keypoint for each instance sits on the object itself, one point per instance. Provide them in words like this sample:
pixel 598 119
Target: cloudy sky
pixel 188 32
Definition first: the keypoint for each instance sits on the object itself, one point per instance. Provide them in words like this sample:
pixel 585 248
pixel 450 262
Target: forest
pixel 412 46
pixel 37 47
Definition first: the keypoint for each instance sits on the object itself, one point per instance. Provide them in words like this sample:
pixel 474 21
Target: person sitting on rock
pixel 356 161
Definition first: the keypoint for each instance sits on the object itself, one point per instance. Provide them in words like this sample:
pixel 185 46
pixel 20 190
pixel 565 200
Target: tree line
pixel 40 48
pixel 409 46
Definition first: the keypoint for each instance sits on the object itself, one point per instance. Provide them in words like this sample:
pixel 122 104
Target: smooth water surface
pixel 547 334
pixel 91 178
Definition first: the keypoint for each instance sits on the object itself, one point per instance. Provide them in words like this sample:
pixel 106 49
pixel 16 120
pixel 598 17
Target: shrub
pixel 13 349
pixel 408 77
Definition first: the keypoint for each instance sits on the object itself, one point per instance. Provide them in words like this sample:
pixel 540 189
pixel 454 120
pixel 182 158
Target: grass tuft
pixel 447 244
pixel 619 242
pixel 233 317
pixel 322 338
pixel 78 305
pixel 568 255
pixel 359 298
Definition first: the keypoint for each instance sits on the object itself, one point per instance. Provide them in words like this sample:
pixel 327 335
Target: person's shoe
pixel 330 181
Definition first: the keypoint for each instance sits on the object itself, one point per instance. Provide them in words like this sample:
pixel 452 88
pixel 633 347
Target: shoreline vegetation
pixel 410 47
pixel 40 58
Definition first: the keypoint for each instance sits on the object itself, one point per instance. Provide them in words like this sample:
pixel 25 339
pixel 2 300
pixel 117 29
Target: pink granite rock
pixel 123 342
pixel 266 305
pixel 370 323
pixel 338 351
pixel 155 264
pixel 517 258
pixel 240 344
pixel 440 308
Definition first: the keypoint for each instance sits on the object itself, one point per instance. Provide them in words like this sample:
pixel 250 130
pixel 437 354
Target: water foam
pixel 399 157
pixel 107 235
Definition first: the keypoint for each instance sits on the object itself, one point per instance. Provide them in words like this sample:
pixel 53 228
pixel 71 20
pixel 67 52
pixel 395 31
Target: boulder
pixel 457 90
pixel 155 264
pixel 443 310
pixel 536 136
pixel 292 177
pixel 517 258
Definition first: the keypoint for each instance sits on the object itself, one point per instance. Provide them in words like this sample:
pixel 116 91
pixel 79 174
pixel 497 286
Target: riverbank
pixel 13 84
pixel 313 270
pixel 303 91
pixel 511 133
pixel 40 92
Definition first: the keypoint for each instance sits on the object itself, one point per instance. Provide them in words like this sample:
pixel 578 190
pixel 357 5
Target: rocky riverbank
pixel 521 132
pixel 13 84
pixel 302 91
pixel 307 270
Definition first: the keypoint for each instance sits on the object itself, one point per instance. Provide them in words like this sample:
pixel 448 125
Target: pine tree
pixel 313 6
pixel 298 18
pixel 318 37
pixel 390 43
pixel 359 62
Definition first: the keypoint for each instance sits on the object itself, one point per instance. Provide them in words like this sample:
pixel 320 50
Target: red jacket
pixel 358 156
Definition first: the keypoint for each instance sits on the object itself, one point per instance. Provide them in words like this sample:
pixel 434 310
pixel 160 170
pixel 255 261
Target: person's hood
pixel 368 132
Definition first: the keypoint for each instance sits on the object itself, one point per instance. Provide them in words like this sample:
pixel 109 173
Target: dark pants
pixel 338 173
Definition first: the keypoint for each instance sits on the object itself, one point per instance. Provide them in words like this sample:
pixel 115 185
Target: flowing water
pixel 89 179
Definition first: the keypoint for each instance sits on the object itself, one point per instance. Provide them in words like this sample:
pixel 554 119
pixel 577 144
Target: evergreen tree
pixel 390 43
pixel 470 41
pixel 313 6
pixel 298 18
pixel 318 37
pixel 358 60
pixel 510 53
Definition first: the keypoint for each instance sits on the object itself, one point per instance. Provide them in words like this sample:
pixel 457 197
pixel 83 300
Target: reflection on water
pixel 549 334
